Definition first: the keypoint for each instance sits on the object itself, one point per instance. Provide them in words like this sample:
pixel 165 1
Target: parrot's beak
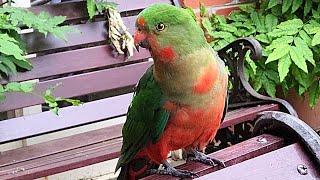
pixel 140 39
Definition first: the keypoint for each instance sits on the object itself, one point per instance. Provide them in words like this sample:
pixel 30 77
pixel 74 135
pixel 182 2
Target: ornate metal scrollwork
pixel 234 56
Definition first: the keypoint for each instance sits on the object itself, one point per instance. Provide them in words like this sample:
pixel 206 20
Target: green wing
pixel 146 118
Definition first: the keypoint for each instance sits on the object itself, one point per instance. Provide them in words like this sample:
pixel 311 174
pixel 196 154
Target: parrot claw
pixel 169 170
pixel 203 158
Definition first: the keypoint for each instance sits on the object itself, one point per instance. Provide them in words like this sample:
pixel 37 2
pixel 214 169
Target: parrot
pixel 179 101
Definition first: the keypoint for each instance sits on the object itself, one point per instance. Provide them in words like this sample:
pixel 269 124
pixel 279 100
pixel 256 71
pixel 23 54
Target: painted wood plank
pixel 99 152
pixel 82 84
pixel 280 164
pixel 91 33
pixel 78 10
pixel 70 116
pixel 45 122
pixel 231 155
pixel 95 111
pixel 75 61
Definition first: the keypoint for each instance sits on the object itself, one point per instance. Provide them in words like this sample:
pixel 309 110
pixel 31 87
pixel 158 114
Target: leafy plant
pixel 12 48
pixel 289 32
pixel 99 5
pixel 53 101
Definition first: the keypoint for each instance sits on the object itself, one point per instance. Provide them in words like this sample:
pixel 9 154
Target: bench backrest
pixel 83 65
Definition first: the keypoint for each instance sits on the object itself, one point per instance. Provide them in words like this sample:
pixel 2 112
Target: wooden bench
pixel 85 66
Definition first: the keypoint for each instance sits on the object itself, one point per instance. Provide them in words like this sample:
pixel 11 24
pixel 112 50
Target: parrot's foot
pixel 203 158
pixel 169 170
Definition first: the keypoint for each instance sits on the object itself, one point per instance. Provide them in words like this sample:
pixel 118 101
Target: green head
pixel 168 31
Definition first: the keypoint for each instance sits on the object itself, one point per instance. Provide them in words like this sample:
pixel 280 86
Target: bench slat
pixel 65 161
pixel 96 110
pixel 73 61
pixel 69 117
pixel 246 114
pixel 77 85
pixel 32 152
pixel 78 10
pixel 103 151
pixel 91 33
pixel 280 163
pixel 231 155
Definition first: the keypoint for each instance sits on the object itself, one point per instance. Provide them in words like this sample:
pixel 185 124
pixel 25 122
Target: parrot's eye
pixel 160 27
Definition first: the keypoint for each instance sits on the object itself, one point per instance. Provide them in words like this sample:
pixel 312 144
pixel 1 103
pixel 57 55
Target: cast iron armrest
pixel 234 56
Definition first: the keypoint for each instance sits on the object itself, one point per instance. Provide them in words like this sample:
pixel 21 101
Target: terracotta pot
pixel 309 115
pixel 195 3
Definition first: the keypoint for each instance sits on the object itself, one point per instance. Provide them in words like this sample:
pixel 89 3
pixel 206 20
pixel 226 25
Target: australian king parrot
pixel 179 101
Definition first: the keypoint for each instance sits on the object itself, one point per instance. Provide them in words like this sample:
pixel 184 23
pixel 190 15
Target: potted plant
pixel 289 32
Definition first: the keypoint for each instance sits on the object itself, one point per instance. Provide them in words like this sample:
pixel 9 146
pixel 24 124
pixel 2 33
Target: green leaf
pixel 314 93
pixel 207 25
pixel 1 89
pixel 7 62
pixel 27 87
pixel 301 90
pixel 8 46
pixel 286 4
pixel 316 39
pixel 315 14
pixel 286 28
pixel 291 24
pixel 275 43
pixel 221 34
pixel 259 21
pixel 295 5
pixel 74 102
pixel 283 67
pixel 103 5
pixel 305 37
pixel 270 88
pixel 262 38
pixel 312 28
pixel 237 16
pixel 22 63
pixel 227 27
pixel 91 8
pixel 276 10
pixel 280 51
pixel 251 63
pixel 306 51
pixel 3 69
pixel 203 10
pixel 272 3
pixel 12 87
pixel 297 58
pixel 307 7
pixel 271 21
pixel 304 79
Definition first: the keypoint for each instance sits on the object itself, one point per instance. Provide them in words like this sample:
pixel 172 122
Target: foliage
pixel 289 32
pixel 13 51
pixel 25 87
pixel 98 5
pixel 118 35
pixel 12 48
pixel 53 101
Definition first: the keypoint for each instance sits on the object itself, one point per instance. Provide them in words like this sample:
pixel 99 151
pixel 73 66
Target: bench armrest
pixel 291 128
pixel 234 56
